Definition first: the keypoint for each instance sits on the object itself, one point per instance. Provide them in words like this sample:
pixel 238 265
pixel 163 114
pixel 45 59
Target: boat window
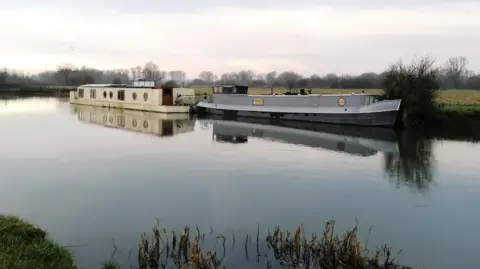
pixel 145 124
pixel 368 100
pixel 93 94
pixel 145 97
pixel 134 96
pixel 241 89
pixel 110 119
pixel 111 95
pixel 80 93
pixel 134 123
pixel 227 89
pixel 105 94
pixel 121 95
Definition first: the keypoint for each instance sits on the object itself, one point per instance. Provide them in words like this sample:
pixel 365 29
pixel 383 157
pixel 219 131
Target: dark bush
pixel 417 85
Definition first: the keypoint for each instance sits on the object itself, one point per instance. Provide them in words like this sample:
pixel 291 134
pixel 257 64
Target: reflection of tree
pixel 412 166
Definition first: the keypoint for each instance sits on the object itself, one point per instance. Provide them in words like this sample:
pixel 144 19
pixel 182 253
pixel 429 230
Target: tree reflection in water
pixel 413 164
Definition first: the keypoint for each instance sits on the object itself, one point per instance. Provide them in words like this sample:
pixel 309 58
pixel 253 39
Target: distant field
pixel 459 97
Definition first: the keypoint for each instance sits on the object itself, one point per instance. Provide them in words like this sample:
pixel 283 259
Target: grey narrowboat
pixel 352 109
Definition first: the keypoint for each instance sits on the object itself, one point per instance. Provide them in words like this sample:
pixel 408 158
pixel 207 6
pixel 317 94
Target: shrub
pixel 417 84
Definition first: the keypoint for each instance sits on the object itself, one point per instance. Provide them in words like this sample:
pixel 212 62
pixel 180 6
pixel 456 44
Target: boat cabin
pixel 158 95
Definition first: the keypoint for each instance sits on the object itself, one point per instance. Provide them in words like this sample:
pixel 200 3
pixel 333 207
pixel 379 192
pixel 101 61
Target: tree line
pixel 453 74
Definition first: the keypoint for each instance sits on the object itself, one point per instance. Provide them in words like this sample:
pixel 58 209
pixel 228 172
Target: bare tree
pixel 230 78
pixel 246 77
pixel 3 75
pixel 207 76
pixel 151 71
pixel 289 79
pixel 178 76
pixel 260 77
pixel 136 72
pixel 333 80
pixel 456 70
pixel 270 78
pixel 302 83
pixel 65 70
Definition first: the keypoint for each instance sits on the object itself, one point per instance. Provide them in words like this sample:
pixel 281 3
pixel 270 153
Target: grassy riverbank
pixel 36 91
pixel 24 246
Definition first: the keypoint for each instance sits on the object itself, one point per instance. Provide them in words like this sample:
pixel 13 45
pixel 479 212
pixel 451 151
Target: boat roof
pixel 105 85
pixel 318 94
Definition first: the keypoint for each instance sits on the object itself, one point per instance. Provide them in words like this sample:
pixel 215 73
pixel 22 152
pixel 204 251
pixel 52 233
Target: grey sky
pixel 304 35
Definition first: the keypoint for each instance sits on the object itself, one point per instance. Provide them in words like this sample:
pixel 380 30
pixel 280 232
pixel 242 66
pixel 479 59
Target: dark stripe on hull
pixel 387 118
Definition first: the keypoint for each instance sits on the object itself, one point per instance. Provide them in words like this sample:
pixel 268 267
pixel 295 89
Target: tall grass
pixel 327 250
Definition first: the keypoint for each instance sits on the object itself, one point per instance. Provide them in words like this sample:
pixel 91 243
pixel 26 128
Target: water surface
pixel 88 175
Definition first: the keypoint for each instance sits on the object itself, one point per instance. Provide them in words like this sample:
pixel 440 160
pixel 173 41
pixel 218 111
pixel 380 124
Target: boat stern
pixel 73 97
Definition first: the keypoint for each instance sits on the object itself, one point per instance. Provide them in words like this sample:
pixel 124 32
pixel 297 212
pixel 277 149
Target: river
pixel 95 185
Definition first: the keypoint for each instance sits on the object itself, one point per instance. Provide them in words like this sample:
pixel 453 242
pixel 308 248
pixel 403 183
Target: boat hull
pixel 382 118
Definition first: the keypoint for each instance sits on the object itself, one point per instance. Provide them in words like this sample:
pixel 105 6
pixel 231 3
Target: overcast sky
pixel 308 36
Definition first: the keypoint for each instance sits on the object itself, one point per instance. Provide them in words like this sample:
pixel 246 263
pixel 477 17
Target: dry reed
pixel 327 251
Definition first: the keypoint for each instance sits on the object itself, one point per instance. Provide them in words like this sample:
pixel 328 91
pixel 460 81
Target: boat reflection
pixel 360 141
pixel 138 121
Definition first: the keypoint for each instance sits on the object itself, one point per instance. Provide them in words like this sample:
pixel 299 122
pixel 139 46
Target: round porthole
pixel 341 101
pixel 134 123
pixel 134 96
pixel 111 119
pixel 145 124
pixel 105 118
pixel 111 95
pixel 145 97
pixel 104 94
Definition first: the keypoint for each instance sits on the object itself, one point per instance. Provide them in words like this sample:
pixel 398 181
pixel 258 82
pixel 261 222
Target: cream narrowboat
pixel 164 99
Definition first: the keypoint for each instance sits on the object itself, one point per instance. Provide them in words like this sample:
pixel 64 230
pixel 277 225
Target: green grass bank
pixel 25 246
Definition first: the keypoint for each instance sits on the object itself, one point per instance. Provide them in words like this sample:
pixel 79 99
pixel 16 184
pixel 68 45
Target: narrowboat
pixel 159 98
pixel 353 109
pixel 349 140
pixel 158 124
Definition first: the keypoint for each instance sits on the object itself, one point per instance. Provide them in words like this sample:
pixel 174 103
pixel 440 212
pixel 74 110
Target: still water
pixel 90 176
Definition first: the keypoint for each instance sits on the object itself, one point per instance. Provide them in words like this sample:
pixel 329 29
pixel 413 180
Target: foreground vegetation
pixel 326 250
pixel 24 246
